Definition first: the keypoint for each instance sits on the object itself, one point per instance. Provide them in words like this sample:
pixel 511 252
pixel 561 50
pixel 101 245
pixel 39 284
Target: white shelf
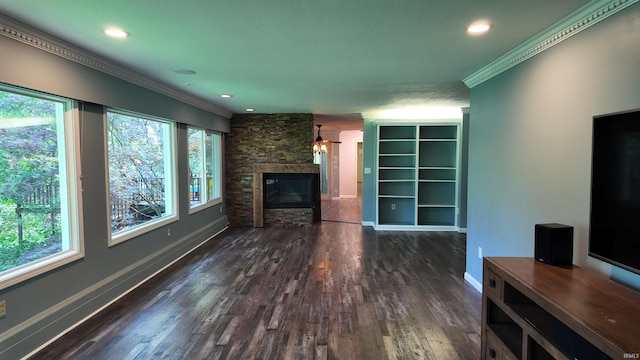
pixel 437 168
pixel 392 154
pixel 435 181
pixel 437 206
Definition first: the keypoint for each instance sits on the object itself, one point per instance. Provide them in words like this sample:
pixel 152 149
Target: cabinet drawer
pixel 493 349
pixel 493 284
pixel 496 350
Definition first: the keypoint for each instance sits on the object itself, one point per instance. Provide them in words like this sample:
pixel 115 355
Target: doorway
pixel 346 165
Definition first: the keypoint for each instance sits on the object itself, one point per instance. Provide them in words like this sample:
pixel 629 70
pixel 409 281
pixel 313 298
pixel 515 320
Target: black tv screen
pixel 614 234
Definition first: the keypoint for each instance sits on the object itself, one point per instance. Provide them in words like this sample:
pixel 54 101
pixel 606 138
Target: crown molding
pixel 583 18
pixel 23 33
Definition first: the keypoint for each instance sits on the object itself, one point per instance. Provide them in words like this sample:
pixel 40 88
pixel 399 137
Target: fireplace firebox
pixel 288 190
pixel 290 202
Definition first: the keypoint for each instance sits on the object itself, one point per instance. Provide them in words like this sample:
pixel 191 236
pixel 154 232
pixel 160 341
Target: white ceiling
pixel 340 59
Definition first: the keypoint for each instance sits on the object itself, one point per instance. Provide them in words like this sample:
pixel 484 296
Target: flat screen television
pixel 614 234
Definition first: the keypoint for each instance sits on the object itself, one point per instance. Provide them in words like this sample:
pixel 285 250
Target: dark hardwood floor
pixel 334 291
pixel 344 209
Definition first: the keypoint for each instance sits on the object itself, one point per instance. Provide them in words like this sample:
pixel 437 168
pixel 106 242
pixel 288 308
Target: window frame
pixel 171 179
pixel 71 211
pixel 216 173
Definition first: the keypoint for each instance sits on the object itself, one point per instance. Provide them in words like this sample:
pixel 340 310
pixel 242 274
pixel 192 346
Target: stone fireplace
pixel 266 143
pixel 299 193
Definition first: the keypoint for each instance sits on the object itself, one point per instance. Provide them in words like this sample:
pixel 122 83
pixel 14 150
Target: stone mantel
pixel 260 169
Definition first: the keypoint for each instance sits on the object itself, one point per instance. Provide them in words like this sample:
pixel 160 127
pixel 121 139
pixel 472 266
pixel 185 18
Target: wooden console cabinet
pixel 532 310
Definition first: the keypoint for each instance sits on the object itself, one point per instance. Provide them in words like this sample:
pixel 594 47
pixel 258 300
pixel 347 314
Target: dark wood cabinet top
pixel 604 312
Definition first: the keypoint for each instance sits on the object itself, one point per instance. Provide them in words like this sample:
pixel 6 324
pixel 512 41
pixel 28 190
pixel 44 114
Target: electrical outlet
pixel 479 252
pixel 3 308
pixel 393 206
pixel 168 232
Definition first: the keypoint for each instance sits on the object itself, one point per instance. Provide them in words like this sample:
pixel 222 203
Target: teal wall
pixel 45 306
pixel 530 140
pixel 370 146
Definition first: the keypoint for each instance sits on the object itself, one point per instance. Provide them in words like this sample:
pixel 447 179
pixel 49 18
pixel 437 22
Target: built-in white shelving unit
pixel 417 176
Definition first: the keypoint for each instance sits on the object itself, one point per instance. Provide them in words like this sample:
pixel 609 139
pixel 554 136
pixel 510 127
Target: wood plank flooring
pixel 342 210
pixel 333 291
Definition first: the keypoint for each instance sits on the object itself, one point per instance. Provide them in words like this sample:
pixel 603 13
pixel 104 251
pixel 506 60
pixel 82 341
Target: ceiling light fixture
pixel 250 109
pixel 116 33
pixel 478 28
pixel 185 72
pixel 226 96
pixel 318 146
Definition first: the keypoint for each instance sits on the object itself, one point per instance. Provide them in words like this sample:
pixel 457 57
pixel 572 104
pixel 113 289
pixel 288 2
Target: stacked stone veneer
pixel 264 139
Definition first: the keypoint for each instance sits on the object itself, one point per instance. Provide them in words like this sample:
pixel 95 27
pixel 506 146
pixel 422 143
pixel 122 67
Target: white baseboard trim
pixel 105 284
pixel 348 196
pixel 368 223
pixel 414 228
pixel 471 280
pixel 462 230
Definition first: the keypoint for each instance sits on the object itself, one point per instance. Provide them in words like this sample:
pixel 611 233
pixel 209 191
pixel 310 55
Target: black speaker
pixel 554 244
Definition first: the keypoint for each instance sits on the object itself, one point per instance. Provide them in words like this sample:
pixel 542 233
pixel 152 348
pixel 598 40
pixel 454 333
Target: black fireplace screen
pixel 286 190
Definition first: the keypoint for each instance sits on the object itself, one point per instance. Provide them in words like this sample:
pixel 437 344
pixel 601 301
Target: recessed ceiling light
pixel 116 33
pixel 226 96
pixel 478 28
pixel 250 109
pixel 185 72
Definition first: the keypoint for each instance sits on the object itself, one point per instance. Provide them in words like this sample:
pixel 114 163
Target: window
pixel 140 152
pixel 204 167
pixel 40 226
